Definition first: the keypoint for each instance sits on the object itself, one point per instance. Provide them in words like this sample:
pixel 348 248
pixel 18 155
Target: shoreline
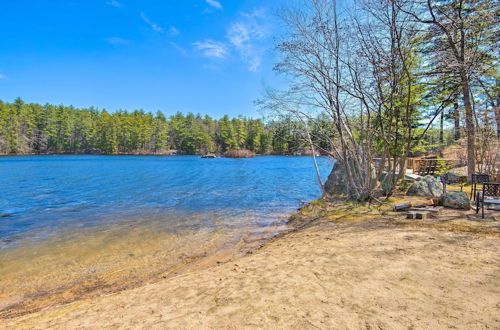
pixel 145 154
pixel 300 251
pixel 89 264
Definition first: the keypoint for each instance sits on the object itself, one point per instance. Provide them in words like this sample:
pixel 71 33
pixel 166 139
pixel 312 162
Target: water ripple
pixel 42 195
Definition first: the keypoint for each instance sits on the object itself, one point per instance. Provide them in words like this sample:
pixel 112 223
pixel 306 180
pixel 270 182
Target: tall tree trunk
pixel 456 118
pixel 496 107
pixel 441 128
pixel 469 125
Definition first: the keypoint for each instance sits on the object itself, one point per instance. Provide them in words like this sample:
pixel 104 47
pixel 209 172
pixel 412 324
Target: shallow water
pixel 42 196
pixel 80 226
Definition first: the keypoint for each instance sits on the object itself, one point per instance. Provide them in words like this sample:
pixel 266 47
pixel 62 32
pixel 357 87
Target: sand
pixel 328 275
pixel 91 263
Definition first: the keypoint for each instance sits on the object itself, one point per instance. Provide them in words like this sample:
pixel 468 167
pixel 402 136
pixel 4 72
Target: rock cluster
pixel 427 186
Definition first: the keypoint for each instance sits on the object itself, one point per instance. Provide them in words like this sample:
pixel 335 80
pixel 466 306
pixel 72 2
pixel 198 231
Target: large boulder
pixel 457 175
pixel 457 200
pixel 427 186
pixel 337 183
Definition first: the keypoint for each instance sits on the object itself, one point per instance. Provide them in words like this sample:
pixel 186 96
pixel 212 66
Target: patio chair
pixel 445 180
pixel 490 195
pixel 478 178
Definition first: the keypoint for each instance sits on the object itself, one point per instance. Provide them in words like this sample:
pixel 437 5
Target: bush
pixel 241 153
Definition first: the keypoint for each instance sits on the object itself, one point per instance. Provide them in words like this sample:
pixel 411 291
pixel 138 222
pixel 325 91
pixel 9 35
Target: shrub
pixel 241 153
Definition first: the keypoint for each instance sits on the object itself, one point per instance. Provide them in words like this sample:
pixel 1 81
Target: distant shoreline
pixel 133 154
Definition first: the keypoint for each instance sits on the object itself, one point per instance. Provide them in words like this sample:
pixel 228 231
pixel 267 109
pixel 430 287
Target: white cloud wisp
pixel 214 3
pixel 114 3
pixel 211 48
pixel 153 26
pixel 247 35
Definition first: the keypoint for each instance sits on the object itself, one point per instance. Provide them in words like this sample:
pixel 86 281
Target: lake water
pixel 80 226
pixel 44 196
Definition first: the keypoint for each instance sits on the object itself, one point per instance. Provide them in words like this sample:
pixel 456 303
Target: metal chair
pixel 478 178
pixel 489 195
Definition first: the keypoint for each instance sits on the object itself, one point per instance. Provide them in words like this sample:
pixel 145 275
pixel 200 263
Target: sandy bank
pixel 330 274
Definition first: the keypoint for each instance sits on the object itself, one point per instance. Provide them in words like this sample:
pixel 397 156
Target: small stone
pixel 411 215
pixel 422 215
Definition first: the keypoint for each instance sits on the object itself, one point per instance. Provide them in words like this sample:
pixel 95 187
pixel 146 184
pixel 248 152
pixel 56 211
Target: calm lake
pixel 46 196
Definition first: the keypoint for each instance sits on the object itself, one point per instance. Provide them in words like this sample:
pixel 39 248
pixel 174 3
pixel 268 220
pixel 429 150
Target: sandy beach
pixel 335 272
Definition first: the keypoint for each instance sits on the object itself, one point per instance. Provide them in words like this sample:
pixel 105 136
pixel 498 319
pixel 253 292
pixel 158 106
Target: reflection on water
pixel 76 226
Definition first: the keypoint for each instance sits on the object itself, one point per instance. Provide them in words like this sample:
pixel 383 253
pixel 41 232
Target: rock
pixel 209 155
pixel 457 200
pixel 426 186
pixel 336 183
pixel 457 175
pixel 387 183
pixel 422 215
pixel 417 215
pixel 411 215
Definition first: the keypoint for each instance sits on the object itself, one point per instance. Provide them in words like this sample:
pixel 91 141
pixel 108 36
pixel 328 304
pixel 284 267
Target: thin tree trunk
pixel 497 117
pixel 441 128
pixel 318 174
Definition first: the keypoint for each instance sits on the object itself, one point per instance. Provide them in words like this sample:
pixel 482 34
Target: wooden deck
pixel 423 166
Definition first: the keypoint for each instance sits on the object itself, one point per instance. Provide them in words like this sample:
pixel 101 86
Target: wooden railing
pixel 422 166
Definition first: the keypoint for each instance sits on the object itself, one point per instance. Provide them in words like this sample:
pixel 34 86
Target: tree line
pixel 31 128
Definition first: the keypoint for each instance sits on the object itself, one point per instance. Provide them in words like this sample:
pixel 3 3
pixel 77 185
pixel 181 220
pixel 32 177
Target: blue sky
pixel 206 56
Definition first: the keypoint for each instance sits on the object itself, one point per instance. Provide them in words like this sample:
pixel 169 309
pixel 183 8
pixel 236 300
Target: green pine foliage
pixel 30 128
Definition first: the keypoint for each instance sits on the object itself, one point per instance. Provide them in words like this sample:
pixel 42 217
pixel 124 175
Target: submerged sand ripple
pixel 91 263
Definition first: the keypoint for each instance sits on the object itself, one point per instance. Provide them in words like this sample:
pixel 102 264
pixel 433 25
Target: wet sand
pixel 336 271
pixel 90 263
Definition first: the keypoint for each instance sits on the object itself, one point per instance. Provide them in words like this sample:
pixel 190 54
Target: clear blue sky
pixel 207 56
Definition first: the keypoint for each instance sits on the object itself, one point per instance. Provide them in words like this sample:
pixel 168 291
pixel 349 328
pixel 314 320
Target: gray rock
pixel 337 184
pixel 387 183
pixel 427 186
pixel 457 200
pixel 457 175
